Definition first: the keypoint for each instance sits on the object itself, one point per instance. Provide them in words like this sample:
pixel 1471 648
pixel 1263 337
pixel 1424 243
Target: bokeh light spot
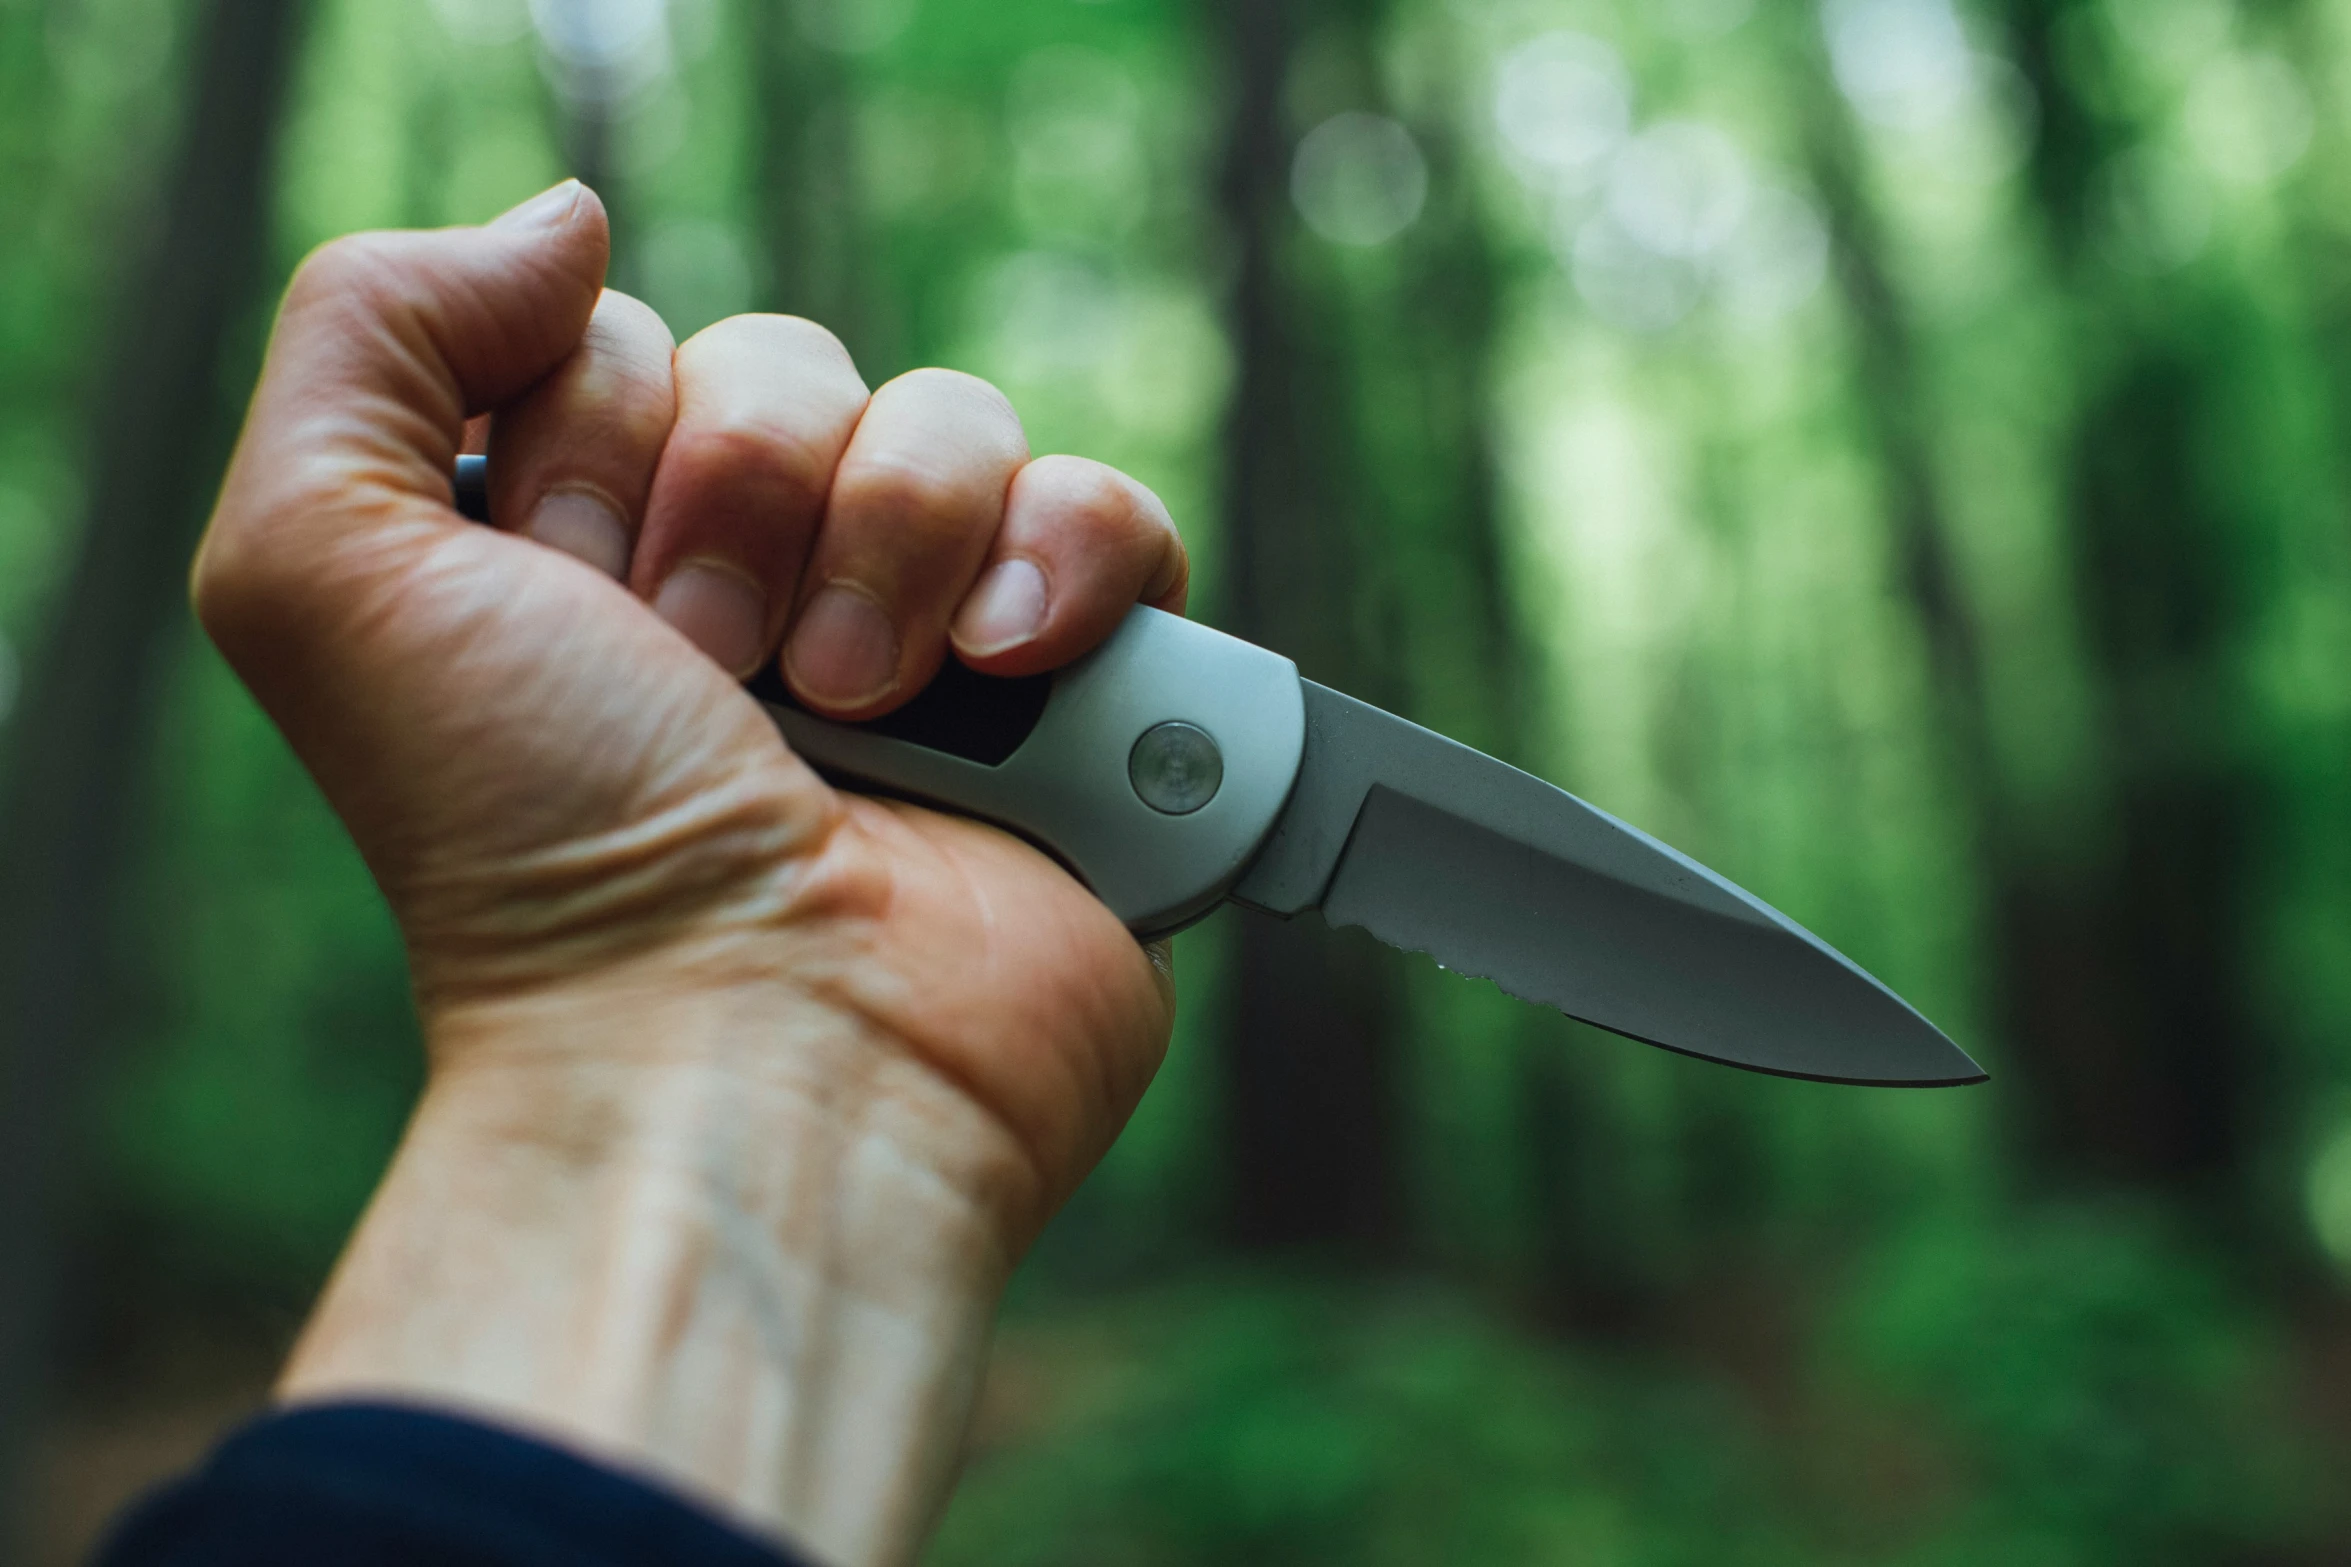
pixel 1679 188
pixel 1562 104
pixel 1359 179
pixel 2248 117
pixel 1903 63
pixel 2328 1193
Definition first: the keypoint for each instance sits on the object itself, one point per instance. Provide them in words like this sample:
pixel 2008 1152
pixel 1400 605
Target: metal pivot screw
pixel 1175 768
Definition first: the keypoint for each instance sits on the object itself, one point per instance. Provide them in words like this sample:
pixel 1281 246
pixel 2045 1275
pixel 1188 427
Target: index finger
pixel 572 462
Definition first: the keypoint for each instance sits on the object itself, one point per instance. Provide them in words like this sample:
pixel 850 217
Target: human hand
pixel 853 1050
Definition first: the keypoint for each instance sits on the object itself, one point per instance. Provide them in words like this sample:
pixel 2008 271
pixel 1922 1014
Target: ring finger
pixel 915 504
pixel 766 405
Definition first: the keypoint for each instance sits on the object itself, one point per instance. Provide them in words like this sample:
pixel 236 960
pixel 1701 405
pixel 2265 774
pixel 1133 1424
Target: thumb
pixel 384 345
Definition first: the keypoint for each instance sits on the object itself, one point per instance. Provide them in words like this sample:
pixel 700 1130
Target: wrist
pixel 726 1235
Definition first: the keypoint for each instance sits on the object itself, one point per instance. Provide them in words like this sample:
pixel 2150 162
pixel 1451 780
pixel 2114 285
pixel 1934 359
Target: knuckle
pixel 766 342
pixel 366 266
pixel 1100 503
pixel 610 429
pixel 1173 578
pixel 909 495
pixel 964 397
pixel 229 589
pixel 631 337
pixel 617 309
pixel 1095 494
pixel 605 406
pixel 745 451
pixel 810 340
pixel 211 584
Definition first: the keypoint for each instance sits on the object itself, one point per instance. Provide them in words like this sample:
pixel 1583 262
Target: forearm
pixel 757 1259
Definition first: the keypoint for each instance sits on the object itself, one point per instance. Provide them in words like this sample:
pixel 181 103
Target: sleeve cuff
pixel 383 1485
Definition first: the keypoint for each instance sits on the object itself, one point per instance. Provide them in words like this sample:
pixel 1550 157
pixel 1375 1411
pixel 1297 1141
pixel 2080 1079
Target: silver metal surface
pixel 1435 848
pixel 1068 789
pixel 1176 768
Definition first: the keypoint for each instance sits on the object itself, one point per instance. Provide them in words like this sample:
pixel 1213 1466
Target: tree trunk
pixel 82 731
pixel 587 103
pixel 2128 986
pixel 802 158
pixel 2117 964
pixel 1309 1038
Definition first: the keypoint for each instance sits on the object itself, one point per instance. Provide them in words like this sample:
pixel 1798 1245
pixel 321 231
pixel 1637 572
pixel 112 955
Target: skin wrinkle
pixel 364 286
pixel 1034 1160
pixel 1108 1093
pixel 614 352
pixel 977 897
pixel 922 499
pixel 409 583
pixel 898 1049
pixel 754 451
pixel 665 870
pixel 482 333
pixel 842 1286
pixel 675 1250
pixel 841 1092
pixel 651 841
pixel 822 1368
pixel 588 488
pixel 770 1320
pixel 693 511
pixel 722 950
pixel 603 414
pixel 818 1341
pixel 405 367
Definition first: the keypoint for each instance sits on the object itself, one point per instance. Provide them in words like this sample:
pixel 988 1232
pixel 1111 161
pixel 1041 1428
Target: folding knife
pixel 1174 769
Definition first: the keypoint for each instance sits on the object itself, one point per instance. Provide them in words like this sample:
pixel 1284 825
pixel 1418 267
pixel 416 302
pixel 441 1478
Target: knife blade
pixel 1175 768
pixel 1433 847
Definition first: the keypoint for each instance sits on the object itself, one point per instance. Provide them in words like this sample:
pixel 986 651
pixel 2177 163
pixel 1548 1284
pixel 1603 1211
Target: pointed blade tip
pixel 1940 1075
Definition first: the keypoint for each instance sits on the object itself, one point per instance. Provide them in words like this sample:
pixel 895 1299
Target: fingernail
pixel 720 611
pixel 546 210
pixel 581 524
pixel 1006 609
pixel 844 652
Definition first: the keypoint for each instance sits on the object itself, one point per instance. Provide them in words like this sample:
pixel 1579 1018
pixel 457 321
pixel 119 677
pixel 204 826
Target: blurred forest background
pixel 1895 450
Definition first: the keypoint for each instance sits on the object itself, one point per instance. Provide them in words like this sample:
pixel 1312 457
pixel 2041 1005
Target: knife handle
pixel 1153 767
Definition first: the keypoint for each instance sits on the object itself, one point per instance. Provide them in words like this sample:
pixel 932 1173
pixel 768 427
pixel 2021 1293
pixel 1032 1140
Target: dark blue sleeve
pixel 380 1485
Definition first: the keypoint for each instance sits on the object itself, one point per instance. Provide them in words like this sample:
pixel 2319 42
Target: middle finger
pixel 766 406
pixel 917 500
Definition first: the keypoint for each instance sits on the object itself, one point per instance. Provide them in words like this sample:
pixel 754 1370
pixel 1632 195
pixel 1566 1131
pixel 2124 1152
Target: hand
pixel 740 1088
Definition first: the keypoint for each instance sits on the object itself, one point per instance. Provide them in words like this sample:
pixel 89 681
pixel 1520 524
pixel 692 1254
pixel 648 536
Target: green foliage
pixel 2062 1389
pixel 1269 1420
pixel 2110 1394
pixel 275 1058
